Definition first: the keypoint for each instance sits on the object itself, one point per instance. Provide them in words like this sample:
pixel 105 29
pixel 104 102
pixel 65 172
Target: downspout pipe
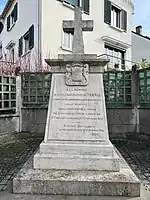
pixel 39 29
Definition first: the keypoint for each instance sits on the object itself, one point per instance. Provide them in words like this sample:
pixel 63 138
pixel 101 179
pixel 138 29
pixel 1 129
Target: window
pixel 12 18
pixel 11 51
pixel 7 95
pixel 12 54
pixel 67 41
pixel 1 27
pixel 26 42
pixel 115 16
pixel 1 50
pixel 116 57
pixel 74 2
pixel 84 4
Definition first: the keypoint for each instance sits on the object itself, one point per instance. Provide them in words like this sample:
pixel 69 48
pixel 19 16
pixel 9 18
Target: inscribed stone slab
pixel 77 112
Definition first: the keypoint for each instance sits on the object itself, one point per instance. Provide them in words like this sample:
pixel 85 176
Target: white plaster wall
pixel 27 15
pixel 140 48
pixel 53 12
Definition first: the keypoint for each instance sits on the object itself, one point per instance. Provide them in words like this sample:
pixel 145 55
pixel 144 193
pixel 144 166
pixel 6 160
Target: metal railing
pixel 119 65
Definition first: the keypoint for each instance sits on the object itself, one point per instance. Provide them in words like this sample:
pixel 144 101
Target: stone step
pixel 65 182
pixel 76 162
pixel 77 149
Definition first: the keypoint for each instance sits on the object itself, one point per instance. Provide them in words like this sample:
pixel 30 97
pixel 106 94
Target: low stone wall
pixel 144 118
pixel 120 121
pixel 9 124
pixel 34 120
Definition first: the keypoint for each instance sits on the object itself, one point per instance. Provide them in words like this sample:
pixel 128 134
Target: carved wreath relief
pixel 77 74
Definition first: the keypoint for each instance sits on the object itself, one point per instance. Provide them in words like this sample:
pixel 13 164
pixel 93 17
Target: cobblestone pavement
pixel 16 150
pixel 136 152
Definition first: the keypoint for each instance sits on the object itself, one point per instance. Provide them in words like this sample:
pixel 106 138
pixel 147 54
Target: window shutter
pixel 31 37
pixel 86 6
pixel 8 23
pixel 107 11
pixel 124 20
pixel 16 12
pixel 20 46
pixel 1 27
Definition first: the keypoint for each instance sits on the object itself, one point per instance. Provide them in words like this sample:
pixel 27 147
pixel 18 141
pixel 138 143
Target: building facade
pixel 140 46
pixel 35 28
pixel 19 27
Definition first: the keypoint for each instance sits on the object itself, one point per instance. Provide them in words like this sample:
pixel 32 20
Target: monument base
pixel 72 182
pixel 73 155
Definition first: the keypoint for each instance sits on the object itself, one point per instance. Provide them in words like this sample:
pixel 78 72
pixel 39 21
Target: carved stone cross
pixel 77 26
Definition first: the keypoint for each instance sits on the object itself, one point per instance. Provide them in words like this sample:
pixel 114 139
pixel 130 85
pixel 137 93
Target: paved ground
pixel 16 150
pixel 136 152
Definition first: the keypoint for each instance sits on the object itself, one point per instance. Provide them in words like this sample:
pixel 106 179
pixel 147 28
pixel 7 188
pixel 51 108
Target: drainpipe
pixel 39 29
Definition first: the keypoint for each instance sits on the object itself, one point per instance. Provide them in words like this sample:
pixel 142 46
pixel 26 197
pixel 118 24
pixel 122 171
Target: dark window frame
pixel 108 6
pixel 1 50
pixel 13 17
pixel 28 35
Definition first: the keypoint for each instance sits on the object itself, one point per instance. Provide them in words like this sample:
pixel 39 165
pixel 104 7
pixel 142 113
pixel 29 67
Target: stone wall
pixel 9 124
pixel 34 120
pixel 120 121
pixel 144 118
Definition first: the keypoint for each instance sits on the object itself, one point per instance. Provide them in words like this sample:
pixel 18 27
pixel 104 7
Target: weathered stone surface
pixel 77 115
pixel 77 74
pixel 77 26
pixel 59 66
pixel 8 124
pixel 7 196
pixel 68 182
pixel 78 148
pixel 78 57
pixel 76 162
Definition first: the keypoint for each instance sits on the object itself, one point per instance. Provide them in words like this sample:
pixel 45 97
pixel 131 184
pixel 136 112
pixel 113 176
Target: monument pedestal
pixel 76 136
pixel 76 156
pixel 77 182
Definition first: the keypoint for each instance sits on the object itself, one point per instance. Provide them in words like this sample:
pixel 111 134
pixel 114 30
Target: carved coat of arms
pixel 77 74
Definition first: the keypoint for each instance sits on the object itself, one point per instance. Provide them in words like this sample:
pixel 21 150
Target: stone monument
pixel 76 156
